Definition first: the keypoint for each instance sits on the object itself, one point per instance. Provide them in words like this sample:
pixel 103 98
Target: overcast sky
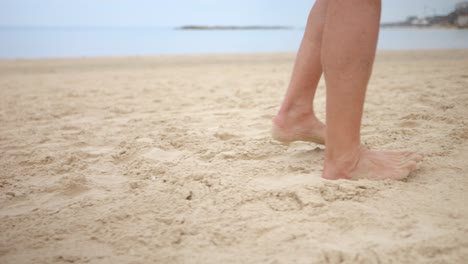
pixel 182 12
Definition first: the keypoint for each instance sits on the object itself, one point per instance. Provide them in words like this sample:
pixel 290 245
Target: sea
pixel 69 42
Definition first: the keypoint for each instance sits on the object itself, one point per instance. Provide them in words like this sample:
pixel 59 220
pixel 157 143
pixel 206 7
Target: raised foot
pixel 308 129
pixel 373 165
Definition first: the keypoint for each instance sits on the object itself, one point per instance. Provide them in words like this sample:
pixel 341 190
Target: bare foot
pixel 291 127
pixel 372 165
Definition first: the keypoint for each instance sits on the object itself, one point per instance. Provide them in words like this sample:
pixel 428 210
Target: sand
pixel 170 160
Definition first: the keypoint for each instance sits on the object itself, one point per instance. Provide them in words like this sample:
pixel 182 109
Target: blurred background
pixel 57 28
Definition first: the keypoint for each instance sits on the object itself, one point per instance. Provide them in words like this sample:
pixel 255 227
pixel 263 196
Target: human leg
pixel 296 119
pixel 348 51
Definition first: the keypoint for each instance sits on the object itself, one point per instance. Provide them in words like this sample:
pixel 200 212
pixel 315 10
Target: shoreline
pixel 194 55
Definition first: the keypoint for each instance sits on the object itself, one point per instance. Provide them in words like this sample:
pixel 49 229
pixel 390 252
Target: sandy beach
pixel 169 159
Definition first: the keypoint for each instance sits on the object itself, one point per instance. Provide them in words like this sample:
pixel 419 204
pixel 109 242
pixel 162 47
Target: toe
pixel 405 163
pixel 413 157
pixel 417 157
pixel 411 165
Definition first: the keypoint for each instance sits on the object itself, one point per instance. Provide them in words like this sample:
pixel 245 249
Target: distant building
pixel 462 21
pixel 457 18
pixel 416 21
pixel 461 11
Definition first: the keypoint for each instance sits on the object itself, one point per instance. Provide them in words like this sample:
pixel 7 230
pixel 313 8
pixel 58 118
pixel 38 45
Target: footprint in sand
pixel 70 185
pixel 225 136
pixel 408 124
pixel 68 131
pixel 162 155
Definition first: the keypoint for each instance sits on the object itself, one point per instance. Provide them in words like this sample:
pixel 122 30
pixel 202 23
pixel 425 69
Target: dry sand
pixel 170 160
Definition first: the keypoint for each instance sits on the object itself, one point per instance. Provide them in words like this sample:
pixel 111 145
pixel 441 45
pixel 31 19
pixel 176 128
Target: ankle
pixel 286 119
pixel 298 107
pixel 340 165
pixel 295 112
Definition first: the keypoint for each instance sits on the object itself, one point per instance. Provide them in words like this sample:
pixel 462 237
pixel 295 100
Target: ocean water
pixel 43 42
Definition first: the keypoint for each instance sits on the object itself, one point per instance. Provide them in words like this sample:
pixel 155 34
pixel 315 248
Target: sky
pixel 169 13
